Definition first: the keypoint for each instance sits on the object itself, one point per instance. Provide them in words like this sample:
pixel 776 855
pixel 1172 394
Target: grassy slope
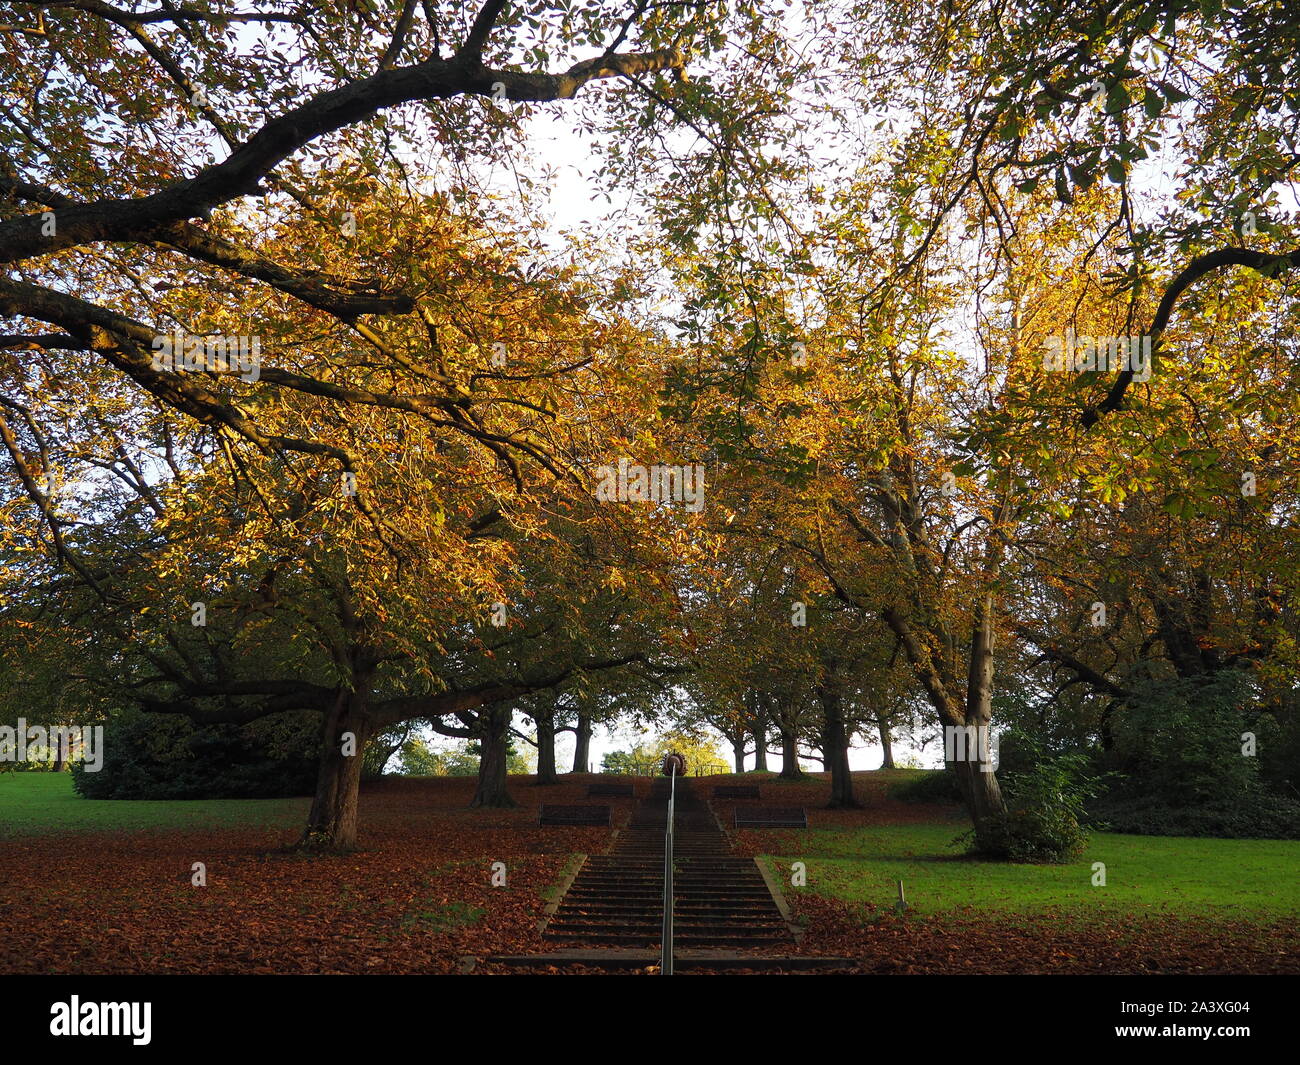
pixel 1144 874
pixel 1180 876
pixel 32 803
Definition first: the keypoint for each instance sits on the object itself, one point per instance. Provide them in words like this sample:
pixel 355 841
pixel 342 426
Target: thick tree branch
pixel 317 291
pixel 1053 652
pixel 242 172
pixel 1267 263
pixel 472 49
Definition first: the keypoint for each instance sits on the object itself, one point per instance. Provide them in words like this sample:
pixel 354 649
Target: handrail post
pixel 666 948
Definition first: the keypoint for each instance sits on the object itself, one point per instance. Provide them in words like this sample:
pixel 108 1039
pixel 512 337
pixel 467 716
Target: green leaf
pixel 1118 100
pixel 1172 93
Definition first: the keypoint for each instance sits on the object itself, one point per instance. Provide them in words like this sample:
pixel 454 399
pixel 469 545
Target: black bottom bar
pixel 229 1013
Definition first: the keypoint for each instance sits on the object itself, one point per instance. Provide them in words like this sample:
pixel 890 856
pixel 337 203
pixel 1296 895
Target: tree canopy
pixel 937 356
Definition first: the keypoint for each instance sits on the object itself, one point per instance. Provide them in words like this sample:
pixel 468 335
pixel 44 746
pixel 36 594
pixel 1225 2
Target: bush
pixel 1181 740
pixel 1182 771
pixel 1045 811
pixel 1257 814
pixel 937 786
pixel 1279 746
pixel 152 756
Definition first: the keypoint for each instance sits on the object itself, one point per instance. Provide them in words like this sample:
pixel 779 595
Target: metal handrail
pixel 666 948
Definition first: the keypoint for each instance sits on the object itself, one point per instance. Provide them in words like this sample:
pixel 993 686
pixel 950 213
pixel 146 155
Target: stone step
pixel 629 958
pixel 720 899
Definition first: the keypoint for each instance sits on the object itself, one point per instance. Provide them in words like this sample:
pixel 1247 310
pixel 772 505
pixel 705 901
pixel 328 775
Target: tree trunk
pixel 494 744
pixel 760 747
pixel 332 823
pixel 582 745
pixel 60 746
pixel 886 742
pixel 546 749
pixel 738 751
pixel 984 802
pixel 980 788
pixel 790 755
pixel 835 749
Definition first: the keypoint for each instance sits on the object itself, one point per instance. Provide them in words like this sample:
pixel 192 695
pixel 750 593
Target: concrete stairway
pixel 720 899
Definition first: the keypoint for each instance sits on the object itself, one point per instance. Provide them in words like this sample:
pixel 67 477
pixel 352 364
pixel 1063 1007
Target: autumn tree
pixel 353 580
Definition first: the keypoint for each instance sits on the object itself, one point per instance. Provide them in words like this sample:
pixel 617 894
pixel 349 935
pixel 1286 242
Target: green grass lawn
pixel 32 803
pixel 1226 878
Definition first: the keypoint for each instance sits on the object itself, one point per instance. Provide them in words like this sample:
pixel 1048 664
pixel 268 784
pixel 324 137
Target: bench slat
pixel 736 791
pixel 771 816
pixel 554 814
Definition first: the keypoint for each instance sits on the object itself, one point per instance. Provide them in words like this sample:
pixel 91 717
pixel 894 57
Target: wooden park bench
pixel 611 789
pixel 736 791
pixel 771 817
pixel 553 814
